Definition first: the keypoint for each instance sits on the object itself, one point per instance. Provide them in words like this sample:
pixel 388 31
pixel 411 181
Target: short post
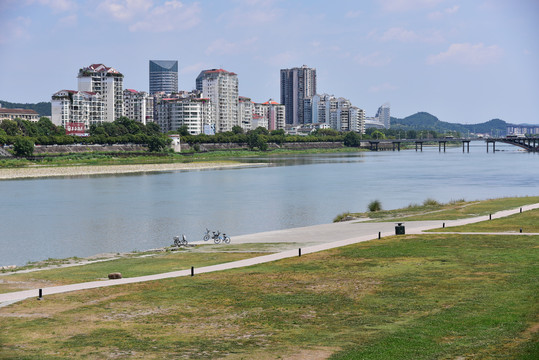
pixel 40 294
pixel 490 216
pixel 299 253
pixel 521 230
pixel 521 210
pixel 192 271
pixel 443 225
pixel 379 235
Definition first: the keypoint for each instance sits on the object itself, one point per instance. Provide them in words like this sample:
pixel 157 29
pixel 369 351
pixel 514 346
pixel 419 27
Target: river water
pixel 82 216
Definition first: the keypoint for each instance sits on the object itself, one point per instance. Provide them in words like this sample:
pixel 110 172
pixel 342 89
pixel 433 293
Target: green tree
pixel 352 139
pixel 255 140
pixel 156 143
pixel 23 146
pixel 10 127
pixel 236 129
pixel 183 130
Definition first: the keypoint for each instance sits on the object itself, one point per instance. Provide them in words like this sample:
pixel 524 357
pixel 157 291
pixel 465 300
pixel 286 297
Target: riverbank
pixel 415 296
pixel 85 170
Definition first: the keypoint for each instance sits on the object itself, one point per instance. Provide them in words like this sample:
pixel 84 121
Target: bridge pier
pixel 493 145
pixel 440 145
pixel 420 145
pixel 398 143
pixel 467 142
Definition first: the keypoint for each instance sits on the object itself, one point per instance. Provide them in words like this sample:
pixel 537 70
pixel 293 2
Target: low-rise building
pixel 24 114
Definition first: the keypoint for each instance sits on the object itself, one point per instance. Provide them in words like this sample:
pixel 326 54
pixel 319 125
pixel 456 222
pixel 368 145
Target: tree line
pixel 43 132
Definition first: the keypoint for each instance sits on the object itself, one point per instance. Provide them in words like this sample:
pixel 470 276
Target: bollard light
pixel 40 294
pixel 192 271
pixel 379 235
pixel 299 252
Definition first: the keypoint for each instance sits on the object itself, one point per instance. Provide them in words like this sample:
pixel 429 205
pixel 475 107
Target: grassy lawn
pixel 459 209
pixel 409 297
pixel 152 263
pixel 95 158
pixel 528 221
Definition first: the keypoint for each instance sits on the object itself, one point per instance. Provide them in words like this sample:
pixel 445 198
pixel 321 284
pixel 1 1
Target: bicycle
pixel 206 236
pixel 179 242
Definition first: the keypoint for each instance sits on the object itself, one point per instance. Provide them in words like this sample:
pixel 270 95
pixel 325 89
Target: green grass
pixel 96 158
pixel 458 209
pixel 528 221
pixel 129 267
pixel 436 296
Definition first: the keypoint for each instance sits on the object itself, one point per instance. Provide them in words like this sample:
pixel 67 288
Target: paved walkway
pixel 311 239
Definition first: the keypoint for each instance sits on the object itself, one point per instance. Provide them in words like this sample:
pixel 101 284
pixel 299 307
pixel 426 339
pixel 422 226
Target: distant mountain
pixel 426 121
pixel 42 108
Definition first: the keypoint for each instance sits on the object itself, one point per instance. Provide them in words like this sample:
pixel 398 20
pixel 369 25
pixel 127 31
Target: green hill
pixel 426 121
pixel 42 108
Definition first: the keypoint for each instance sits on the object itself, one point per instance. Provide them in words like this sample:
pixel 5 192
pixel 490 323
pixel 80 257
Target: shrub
pixel 430 202
pixel 342 217
pixel 375 205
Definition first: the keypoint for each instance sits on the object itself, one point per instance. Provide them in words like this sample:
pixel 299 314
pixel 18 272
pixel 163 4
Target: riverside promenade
pixel 309 239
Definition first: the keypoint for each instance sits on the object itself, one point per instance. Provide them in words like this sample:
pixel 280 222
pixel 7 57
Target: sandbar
pixel 85 170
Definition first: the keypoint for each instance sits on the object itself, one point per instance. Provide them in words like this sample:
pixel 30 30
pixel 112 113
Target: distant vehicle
pixel 515 136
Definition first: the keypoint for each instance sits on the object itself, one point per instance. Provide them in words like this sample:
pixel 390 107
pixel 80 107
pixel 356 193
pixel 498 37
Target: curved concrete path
pixel 312 239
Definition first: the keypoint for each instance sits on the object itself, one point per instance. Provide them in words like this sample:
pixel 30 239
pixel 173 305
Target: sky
pixel 464 61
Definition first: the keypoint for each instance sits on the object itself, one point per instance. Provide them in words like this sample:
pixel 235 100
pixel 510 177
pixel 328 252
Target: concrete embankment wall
pixel 271 146
pixel 61 149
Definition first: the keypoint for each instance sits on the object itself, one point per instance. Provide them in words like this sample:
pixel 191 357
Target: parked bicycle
pixel 207 235
pixel 180 242
pixel 218 238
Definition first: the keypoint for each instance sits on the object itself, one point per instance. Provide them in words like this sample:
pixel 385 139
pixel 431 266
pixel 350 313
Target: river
pixel 83 216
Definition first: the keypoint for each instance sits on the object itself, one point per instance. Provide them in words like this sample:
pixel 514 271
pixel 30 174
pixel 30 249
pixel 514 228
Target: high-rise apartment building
pixel 383 115
pixel 221 87
pixel 184 109
pixel 297 84
pixel 245 112
pixel 76 110
pixel 106 82
pixel 336 113
pixel 270 114
pixel 136 106
pixel 163 76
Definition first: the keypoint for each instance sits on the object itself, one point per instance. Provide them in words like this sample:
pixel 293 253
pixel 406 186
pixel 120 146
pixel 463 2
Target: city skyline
pixel 463 62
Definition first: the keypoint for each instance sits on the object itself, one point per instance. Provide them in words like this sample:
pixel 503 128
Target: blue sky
pixel 462 61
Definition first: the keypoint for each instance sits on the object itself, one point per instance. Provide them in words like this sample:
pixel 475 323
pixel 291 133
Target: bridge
pixel 530 144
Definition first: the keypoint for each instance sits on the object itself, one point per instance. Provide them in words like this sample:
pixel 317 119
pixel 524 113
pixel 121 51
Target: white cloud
pixel 437 15
pixel 68 21
pixel 124 9
pixel 194 68
pixel 382 88
pixel 374 59
pixel 14 30
pixel 281 60
pixel 252 13
pixel 57 5
pixel 407 5
pixel 399 34
pixel 467 54
pixel 152 16
pixel 172 15
pixel 224 47
pixel 352 14
pixel 408 36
